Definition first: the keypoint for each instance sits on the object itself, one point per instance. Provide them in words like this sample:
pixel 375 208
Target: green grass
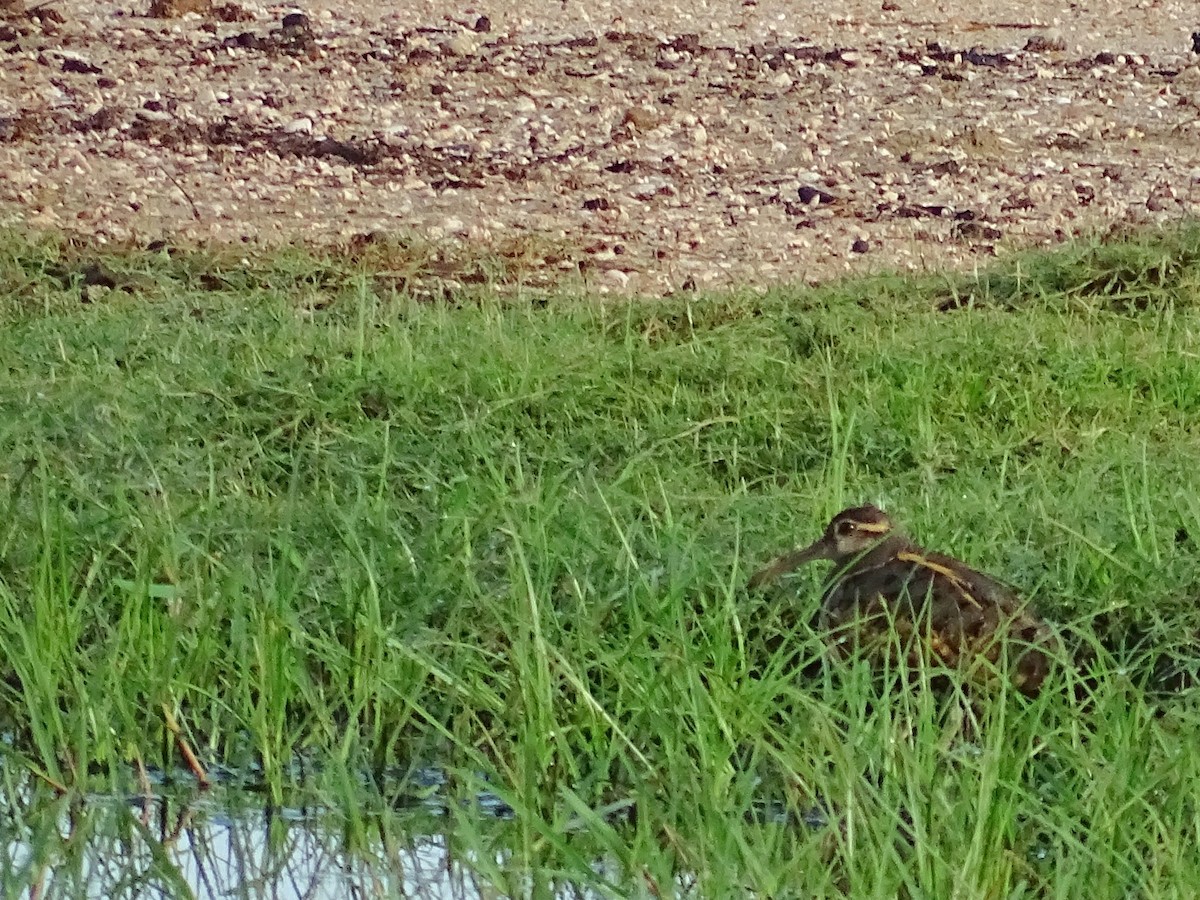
pixel 506 534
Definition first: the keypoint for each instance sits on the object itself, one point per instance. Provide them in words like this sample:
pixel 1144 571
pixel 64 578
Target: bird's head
pixel 851 533
pixel 848 535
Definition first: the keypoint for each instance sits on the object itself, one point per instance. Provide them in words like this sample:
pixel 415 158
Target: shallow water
pixel 174 839
pixel 221 843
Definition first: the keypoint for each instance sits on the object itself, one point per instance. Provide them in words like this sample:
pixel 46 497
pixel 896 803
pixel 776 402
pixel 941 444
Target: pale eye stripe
pixel 873 527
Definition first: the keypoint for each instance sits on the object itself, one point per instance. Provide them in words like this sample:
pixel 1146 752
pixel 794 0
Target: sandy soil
pixel 652 147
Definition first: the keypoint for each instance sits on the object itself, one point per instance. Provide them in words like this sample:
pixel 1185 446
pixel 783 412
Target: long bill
pixel 789 562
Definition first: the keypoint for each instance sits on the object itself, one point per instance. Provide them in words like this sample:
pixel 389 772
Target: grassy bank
pixel 316 518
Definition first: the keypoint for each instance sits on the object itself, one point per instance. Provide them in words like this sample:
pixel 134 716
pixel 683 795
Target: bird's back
pixel 934 606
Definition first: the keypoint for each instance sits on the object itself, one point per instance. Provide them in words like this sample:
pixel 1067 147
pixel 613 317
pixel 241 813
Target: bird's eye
pixel 846 528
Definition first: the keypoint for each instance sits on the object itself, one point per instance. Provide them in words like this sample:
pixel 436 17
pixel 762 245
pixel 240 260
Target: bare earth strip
pixel 661 147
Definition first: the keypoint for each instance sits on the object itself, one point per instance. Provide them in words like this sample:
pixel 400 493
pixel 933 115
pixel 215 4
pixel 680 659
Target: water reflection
pixel 208 846
pixel 171 841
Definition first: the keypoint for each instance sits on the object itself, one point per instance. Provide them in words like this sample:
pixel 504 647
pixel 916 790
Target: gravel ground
pixel 654 147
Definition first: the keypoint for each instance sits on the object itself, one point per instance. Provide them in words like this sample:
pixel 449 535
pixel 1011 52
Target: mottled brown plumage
pixel 887 595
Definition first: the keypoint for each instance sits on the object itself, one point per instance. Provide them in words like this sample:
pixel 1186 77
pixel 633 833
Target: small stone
pixel 639 118
pixel 1045 43
pixel 77 65
pixel 232 12
pixel 618 278
pixel 464 44
pixel 174 9
pixel 814 196
pixel 296 22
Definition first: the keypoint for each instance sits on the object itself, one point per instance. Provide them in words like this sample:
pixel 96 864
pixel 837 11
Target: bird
pixel 886 593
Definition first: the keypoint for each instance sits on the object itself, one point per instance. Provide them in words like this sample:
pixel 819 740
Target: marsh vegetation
pixel 342 536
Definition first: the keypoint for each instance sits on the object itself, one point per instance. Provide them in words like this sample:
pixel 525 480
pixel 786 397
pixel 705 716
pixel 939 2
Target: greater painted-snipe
pixel 887 594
